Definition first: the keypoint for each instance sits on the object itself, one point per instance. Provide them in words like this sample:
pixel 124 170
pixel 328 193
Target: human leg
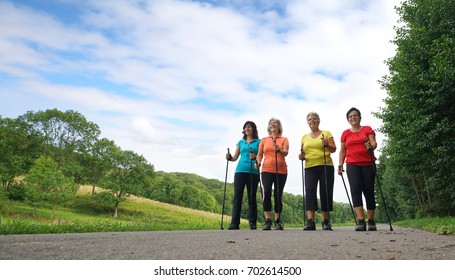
pixel 356 183
pixel 252 202
pixel 311 183
pixel 267 182
pixel 239 186
pixel 278 198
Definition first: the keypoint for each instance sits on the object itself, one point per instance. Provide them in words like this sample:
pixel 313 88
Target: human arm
pixel 341 157
pixel 302 153
pixel 235 156
pixel 370 142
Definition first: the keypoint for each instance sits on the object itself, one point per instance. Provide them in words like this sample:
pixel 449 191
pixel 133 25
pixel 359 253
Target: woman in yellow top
pixel 316 169
pixel 272 152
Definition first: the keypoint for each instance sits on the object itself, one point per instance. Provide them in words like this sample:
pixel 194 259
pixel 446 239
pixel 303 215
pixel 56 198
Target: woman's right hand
pixel 302 156
pixel 340 170
pixel 228 156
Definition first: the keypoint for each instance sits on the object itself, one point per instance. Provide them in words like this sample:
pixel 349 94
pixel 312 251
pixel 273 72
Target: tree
pixel 45 183
pixel 67 136
pixel 128 174
pixel 418 118
pixel 96 161
pixel 19 148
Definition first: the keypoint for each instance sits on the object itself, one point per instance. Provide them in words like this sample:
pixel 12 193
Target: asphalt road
pixel 290 244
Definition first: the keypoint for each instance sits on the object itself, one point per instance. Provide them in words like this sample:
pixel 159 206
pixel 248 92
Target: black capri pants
pixel 313 176
pixel 361 180
pixel 240 180
pixel 268 180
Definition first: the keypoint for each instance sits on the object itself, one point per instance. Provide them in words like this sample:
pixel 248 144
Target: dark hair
pixel 255 130
pixel 353 109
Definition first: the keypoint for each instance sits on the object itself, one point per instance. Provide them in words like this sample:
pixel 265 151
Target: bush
pixel 17 192
pixel 100 203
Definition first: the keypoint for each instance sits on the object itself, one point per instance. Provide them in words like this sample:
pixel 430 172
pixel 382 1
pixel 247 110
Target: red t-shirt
pixel 356 153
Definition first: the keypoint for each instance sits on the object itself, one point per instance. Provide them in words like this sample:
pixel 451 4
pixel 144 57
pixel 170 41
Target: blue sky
pixel 176 80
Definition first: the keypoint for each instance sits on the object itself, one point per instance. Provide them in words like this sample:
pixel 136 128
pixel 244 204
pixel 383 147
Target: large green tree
pixel 128 174
pixel 68 135
pixel 419 119
pixel 19 148
pixel 47 185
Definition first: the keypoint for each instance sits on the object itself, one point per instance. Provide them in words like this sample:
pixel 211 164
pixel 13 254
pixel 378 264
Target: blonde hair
pixel 280 127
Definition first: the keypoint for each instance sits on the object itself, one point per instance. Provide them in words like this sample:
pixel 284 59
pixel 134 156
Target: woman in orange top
pixel 271 155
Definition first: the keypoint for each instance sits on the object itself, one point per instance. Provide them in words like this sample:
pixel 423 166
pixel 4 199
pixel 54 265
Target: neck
pixel 356 126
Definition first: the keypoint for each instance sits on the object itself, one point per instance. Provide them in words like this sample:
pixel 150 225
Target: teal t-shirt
pixel 244 165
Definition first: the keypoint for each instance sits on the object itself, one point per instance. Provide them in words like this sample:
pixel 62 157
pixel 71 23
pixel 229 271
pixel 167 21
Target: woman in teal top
pixel 245 174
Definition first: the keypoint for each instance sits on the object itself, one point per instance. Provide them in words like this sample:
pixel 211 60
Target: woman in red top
pixel 272 152
pixel 356 144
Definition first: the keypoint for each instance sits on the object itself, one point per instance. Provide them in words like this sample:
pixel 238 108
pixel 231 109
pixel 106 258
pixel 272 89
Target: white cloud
pixel 176 80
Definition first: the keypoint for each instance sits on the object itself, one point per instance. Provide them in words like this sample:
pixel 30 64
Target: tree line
pixel 418 158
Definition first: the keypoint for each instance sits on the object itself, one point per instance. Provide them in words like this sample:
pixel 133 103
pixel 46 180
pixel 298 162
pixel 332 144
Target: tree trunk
pixel 416 189
pixel 116 209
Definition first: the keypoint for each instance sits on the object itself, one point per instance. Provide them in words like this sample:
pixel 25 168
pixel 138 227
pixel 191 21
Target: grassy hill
pixel 136 214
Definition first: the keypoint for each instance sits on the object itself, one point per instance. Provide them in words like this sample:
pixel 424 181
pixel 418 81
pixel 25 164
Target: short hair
pixel 280 127
pixel 313 114
pixel 255 130
pixel 353 109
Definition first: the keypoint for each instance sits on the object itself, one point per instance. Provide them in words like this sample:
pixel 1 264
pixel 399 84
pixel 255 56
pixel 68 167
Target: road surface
pixel 290 244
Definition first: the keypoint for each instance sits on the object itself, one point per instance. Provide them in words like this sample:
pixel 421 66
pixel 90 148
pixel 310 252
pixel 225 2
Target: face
pixel 313 121
pixel 248 129
pixel 353 118
pixel 273 126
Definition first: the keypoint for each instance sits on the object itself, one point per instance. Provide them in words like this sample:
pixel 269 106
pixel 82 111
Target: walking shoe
pixel 310 225
pixel 233 227
pixel 371 225
pixel 326 225
pixel 253 226
pixel 361 226
pixel 278 225
pixel 267 225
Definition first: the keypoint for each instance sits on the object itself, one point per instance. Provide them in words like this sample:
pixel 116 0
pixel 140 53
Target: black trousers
pixel 269 180
pixel 240 180
pixel 361 180
pixel 313 176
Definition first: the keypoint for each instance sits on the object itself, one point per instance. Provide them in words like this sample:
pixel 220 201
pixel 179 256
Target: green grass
pixel 441 225
pixel 137 214
pixel 134 215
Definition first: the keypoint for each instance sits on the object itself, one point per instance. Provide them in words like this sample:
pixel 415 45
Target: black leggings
pixel 269 179
pixel 313 175
pixel 240 180
pixel 361 180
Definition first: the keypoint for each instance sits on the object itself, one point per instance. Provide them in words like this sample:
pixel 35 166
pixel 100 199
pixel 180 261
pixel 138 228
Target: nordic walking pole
pixel 251 182
pixel 326 185
pixel 224 196
pixel 276 176
pixel 303 194
pixel 370 151
pixel 346 189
